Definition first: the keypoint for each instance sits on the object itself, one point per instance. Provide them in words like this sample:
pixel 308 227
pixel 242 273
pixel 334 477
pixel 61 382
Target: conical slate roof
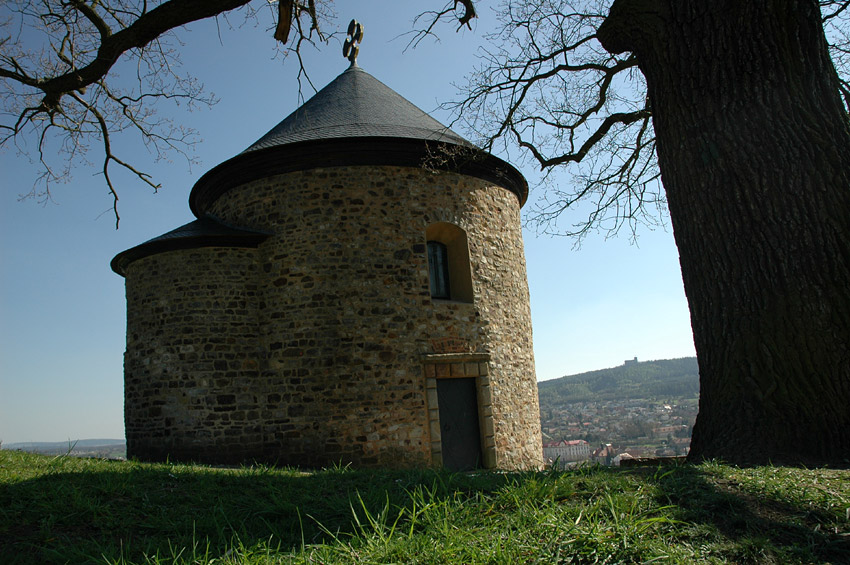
pixel 354 120
pixel 356 104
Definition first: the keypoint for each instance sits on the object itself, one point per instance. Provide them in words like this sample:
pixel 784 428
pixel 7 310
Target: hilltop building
pixel 336 301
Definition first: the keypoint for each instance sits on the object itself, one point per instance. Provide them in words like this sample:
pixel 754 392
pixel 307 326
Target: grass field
pixel 71 510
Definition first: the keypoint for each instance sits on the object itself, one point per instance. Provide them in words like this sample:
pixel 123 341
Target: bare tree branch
pixel 468 14
pixel 90 14
pixel 142 31
pixel 432 18
pixel 284 20
pixel 547 86
pixel 594 138
pixel 60 88
pixel 56 83
pixel 832 9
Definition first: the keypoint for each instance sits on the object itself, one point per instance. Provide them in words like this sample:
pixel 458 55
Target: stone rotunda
pixel 353 290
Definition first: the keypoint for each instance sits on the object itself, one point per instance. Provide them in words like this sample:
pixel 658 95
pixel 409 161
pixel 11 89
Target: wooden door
pixel 459 431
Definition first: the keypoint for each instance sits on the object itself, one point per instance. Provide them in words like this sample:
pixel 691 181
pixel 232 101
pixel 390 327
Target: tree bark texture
pixel 754 151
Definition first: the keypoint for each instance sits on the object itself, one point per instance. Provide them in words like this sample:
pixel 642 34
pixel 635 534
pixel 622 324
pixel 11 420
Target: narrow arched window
pixel 438 269
pixel 448 262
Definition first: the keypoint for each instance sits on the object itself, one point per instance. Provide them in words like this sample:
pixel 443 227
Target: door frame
pixel 460 365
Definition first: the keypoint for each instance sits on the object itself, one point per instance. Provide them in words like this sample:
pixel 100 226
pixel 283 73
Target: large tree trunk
pixel 754 150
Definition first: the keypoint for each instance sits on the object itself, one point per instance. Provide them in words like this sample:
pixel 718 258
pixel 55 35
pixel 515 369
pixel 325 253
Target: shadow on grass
pixel 132 512
pixel 761 519
pixel 75 511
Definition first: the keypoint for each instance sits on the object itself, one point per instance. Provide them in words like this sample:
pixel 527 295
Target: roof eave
pixel 353 151
pixel 235 237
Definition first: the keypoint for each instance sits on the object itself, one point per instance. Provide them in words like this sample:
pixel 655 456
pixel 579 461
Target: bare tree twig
pixel 435 17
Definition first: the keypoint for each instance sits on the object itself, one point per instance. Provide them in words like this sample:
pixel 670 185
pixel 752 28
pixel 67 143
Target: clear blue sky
pixel 62 310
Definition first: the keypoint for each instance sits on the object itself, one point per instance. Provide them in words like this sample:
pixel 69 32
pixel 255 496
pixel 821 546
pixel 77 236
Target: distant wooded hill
pixel 107 448
pixel 634 380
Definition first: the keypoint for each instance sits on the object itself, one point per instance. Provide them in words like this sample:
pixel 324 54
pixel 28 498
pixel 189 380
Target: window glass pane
pixel 438 269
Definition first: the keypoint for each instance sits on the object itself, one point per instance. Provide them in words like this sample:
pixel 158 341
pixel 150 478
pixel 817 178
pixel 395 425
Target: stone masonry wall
pixel 192 361
pixel 332 369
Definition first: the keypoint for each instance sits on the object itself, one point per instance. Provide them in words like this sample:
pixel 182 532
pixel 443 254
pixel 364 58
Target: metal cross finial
pixel 351 47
